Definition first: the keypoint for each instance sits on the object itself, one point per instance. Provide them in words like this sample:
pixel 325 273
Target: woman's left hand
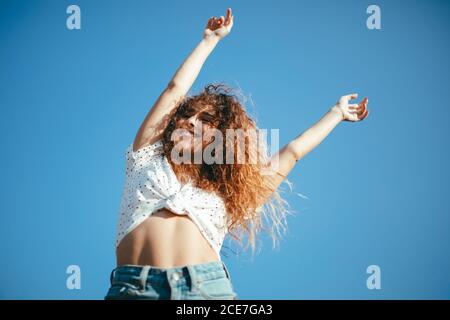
pixel 352 111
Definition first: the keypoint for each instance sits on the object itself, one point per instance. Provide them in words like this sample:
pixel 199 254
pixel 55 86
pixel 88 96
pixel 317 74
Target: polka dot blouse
pixel 151 184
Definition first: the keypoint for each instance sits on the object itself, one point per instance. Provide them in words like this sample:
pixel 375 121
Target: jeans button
pixel 175 276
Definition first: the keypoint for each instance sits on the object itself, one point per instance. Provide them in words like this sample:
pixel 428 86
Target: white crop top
pixel 151 184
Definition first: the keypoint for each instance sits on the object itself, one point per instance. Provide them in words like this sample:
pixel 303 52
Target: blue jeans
pixel 209 280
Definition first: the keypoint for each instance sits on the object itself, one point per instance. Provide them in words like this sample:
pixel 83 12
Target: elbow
pixel 294 152
pixel 175 88
pixel 171 85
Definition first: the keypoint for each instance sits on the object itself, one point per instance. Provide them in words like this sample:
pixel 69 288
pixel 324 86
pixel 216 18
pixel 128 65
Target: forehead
pixel 202 107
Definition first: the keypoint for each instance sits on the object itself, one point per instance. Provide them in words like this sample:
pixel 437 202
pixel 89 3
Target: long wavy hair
pixel 242 186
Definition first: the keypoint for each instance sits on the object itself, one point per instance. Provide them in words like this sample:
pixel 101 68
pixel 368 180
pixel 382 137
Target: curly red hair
pixel 242 186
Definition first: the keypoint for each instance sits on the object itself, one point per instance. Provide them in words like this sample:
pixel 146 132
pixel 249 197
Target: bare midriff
pixel 165 240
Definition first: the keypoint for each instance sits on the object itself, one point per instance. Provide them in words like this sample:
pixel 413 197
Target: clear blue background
pixel 71 101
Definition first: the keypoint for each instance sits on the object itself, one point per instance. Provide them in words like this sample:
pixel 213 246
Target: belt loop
pixel 111 276
pixel 192 275
pixel 226 270
pixel 143 276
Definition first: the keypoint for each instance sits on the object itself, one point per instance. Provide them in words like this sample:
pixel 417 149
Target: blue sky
pixel 72 101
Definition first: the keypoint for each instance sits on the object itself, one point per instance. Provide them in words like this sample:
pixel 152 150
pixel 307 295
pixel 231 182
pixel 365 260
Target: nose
pixel 192 121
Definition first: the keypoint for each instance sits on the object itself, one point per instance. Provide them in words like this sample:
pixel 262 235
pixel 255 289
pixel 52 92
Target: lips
pixel 188 133
pixel 191 131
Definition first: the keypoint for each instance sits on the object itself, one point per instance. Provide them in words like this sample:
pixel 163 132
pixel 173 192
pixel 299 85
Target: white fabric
pixel 151 184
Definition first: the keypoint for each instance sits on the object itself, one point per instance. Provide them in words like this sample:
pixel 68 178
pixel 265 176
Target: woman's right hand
pixel 220 27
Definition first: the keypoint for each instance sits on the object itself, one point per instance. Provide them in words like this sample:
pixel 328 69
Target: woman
pixel 176 211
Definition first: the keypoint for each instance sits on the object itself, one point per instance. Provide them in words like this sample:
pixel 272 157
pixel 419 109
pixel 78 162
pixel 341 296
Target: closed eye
pixel 187 112
pixel 207 117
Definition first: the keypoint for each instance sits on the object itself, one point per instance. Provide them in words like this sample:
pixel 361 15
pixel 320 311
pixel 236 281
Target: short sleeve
pixel 142 156
pixel 146 151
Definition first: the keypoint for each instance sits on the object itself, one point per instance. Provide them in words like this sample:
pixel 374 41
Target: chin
pixel 189 145
pixel 184 144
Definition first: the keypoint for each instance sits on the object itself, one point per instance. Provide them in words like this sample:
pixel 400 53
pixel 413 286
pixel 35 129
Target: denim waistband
pixel 141 273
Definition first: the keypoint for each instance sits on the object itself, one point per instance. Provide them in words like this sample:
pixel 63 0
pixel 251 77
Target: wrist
pixel 211 38
pixel 338 111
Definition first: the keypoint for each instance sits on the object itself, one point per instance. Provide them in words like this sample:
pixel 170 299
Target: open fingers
pixel 362 107
pixel 349 96
pixel 210 22
pixel 360 110
pixel 364 114
pixel 229 17
pixel 353 106
pixel 228 13
pixel 230 22
pixel 215 23
pixel 359 106
pixel 363 103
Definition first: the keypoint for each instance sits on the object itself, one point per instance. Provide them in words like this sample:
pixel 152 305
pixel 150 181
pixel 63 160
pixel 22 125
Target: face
pixel 193 126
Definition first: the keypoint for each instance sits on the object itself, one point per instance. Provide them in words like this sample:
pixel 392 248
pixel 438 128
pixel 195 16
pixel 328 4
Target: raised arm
pixel 216 29
pixel 284 161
